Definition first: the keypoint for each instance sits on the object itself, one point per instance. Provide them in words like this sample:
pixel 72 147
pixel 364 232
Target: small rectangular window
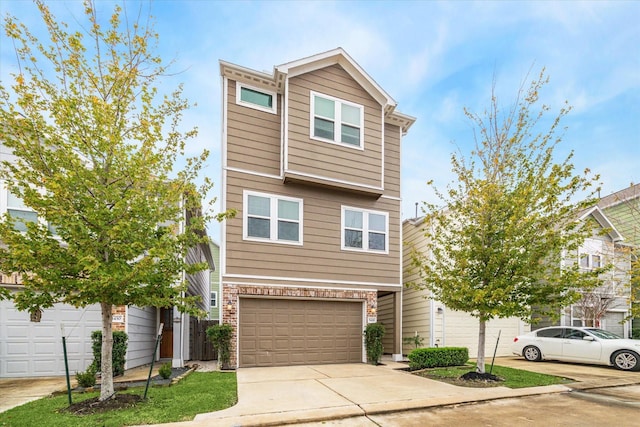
pixel 272 218
pixel 258 99
pixel 365 230
pixel 214 299
pixel 21 213
pixel 336 120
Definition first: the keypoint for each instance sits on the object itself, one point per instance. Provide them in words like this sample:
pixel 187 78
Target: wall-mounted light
pixel 229 305
pixel 440 310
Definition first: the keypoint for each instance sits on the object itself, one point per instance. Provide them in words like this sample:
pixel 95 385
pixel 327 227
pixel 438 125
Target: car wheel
pixel 626 360
pixel 532 353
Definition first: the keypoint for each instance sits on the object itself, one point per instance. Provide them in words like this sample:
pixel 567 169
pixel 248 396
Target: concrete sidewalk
pixel 300 394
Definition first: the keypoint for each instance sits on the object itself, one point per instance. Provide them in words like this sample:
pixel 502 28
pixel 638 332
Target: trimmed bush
pixel 433 357
pixel 635 333
pixel 373 334
pixel 119 351
pixel 220 336
pixel 165 370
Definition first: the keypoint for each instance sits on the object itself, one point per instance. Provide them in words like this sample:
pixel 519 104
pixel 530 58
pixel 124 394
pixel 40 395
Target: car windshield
pixel 605 335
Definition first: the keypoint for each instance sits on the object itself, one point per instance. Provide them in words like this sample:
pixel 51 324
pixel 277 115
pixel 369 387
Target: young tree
pixel 94 151
pixel 496 248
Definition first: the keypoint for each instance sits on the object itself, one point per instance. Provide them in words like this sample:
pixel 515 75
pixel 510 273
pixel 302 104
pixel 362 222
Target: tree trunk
pixel 481 340
pixel 106 358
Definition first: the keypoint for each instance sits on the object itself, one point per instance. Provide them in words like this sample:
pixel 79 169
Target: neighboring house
pixel 34 348
pixel 623 209
pixel 607 306
pixel 437 324
pixel 214 306
pixel 311 162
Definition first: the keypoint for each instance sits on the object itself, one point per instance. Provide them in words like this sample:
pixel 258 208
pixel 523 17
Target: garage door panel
pixel 294 332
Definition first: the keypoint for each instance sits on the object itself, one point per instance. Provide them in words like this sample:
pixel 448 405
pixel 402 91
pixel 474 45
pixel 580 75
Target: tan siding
pixel 320 257
pixel 391 160
pixel 253 136
pixel 333 161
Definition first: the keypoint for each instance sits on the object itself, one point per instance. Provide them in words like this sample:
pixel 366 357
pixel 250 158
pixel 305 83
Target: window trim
pixel 337 120
pixel 590 258
pixel 216 298
pixel 274 98
pixel 273 218
pixel 365 230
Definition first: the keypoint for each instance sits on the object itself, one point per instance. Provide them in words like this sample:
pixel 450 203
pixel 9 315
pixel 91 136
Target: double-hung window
pixel 21 214
pixel 272 218
pixel 255 98
pixel 214 299
pixel 365 230
pixel 336 120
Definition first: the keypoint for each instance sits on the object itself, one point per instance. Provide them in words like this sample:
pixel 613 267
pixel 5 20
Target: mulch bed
pixel 94 406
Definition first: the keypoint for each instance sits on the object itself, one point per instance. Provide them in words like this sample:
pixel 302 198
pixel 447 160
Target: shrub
pixel 220 336
pixel 432 357
pixel 87 378
pixel 119 351
pixel 373 334
pixel 165 370
pixel 635 333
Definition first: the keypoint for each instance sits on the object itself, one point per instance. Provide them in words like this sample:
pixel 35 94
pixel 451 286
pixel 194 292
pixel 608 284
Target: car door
pixel 576 347
pixel 549 341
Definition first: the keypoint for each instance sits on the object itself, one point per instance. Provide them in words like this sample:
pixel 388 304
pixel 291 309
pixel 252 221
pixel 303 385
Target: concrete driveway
pixel 297 394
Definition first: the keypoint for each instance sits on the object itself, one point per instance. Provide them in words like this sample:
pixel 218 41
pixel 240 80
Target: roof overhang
pixel 603 221
pixel 276 80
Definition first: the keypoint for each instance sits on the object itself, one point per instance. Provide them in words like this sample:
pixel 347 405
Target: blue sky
pixel 433 58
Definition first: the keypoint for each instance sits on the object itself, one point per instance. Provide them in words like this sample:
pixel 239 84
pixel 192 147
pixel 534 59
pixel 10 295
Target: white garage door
pixel 29 349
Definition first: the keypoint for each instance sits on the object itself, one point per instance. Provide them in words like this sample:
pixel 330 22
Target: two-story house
pixel 31 346
pixel 311 162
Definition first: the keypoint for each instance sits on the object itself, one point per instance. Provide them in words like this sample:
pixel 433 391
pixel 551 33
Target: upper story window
pixel 20 213
pixel 258 99
pixel 336 120
pixel 590 261
pixel 272 218
pixel 364 230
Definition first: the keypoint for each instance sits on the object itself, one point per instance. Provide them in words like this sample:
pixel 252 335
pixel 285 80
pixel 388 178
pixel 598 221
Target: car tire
pixel 532 353
pixel 626 360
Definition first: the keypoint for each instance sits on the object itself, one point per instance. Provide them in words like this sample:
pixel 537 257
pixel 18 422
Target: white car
pixel 577 344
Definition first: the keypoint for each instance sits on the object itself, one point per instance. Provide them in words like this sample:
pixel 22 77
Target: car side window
pixel 550 333
pixel 574 334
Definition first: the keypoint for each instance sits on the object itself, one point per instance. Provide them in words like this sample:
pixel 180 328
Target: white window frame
pixel 590 258
pixel 365 230
pixel 273 218
pixel 274 98
pixel 337 131
pixel 215 298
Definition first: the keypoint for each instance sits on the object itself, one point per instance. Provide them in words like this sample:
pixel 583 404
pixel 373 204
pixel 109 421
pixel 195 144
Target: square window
pixel 272 218
pixel 336 120
pixel 364 230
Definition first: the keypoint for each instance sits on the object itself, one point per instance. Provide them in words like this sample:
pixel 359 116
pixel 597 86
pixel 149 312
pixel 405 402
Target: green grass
pixel 199 392
pixel 513 378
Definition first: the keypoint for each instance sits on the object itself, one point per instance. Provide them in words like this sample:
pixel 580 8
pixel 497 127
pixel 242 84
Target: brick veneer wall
pixel 232 292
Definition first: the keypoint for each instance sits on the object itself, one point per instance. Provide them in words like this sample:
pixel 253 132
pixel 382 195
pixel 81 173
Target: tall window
pixel 335 120
pixel 214 299
pixel 255 98
pixel 272 218
pixel 20 213
pixel 364 230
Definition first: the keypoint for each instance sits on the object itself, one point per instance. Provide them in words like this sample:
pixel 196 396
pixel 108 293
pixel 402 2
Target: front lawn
pixel 513 378
pixel 199 392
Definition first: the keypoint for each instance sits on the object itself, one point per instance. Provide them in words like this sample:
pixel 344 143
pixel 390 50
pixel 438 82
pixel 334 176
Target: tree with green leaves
pixel 496 246
pixel 94 153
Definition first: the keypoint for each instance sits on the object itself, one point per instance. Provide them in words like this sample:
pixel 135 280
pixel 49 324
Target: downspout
pixel 432 319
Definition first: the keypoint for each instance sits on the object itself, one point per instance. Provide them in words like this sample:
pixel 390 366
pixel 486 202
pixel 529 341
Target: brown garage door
pixel 280 332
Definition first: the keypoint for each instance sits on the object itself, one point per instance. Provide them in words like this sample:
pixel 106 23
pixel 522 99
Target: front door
pixel 166 345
